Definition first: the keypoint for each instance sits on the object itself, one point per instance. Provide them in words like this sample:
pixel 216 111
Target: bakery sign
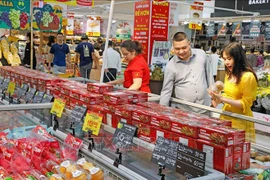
pixel 253 2
pixel 93 27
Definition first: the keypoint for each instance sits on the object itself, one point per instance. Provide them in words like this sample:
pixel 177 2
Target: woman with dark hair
pixel 240 87
pixel 137 73
pixel 51 41
pixel 27 53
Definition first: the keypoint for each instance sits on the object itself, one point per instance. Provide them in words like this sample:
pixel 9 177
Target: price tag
pixel 92 122
pixel 47 98
pixel 194 26
pixel 78 113
pixel 11 87
pixel 38 97
pixel 58 107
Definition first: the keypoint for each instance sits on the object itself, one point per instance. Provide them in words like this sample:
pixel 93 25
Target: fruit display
pixel 15 19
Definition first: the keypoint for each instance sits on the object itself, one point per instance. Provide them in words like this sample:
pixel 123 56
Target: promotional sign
pixel 174 12
pixel 141 25
pixel 49 17
pixel 236 28
pixel 79 25
pixel 161 52
pixel 92 122
pixel 267 30
pixel 123 31
pixel 74 2
pixel 15 14
pixel 123 135
pixel 58 107
pixel 195 14
pixel 78 113
pixel 222 29
pixel 70 23
pixel 11 87
pixel 210 29
pixel 159 23
pixel 93 27
pixel 165 152
pixel 254 30
pixel 245 28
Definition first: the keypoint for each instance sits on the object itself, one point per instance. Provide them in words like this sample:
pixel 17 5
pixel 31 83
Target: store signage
pixel 58 107
pixel 47 98
pixel 254 2
pixel 5 83
pixel 78 113
pixel 174 12
pixel 161 52
pixel 195 15
pixel 38 97
pixel 80 24
pixel 49 17
pixel 123 31
pixel 195 26
pixel 11 87
pixel 245 28
pixel 222 29
pixel 267 30
pixel 74 2
pixel 255 27
pixel 123 135
pixel 165 152
pixel 15 14
pixel 70 23
pixel 92 122
pixel 210 29
pixel 190 162
pixel 141 25
pixel 93 27
pixel 236 28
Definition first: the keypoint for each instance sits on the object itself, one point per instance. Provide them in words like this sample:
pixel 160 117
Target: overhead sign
pixel 93 27
pixel 70 23
pixel 236 28
pixel 174 12
pixel 222 29
pixel 255 27
pixel 195 16
pixel 74 2
pixel 210 29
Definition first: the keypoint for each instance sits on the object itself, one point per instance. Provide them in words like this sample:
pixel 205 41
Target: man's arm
pixel 119 69
pixel 168 85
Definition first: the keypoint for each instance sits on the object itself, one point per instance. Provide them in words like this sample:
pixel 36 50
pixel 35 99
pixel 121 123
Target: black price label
pixel 30 94
pixel 169 161
pixel 38 97
pixel 4 84
pixel 190 162
pixel 123 135
pixel 1 79
pixel 23 89
pixel 47 98
pixel 78 113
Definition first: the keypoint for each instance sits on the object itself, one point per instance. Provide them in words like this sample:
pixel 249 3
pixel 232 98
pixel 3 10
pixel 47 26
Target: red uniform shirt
pixel 137 68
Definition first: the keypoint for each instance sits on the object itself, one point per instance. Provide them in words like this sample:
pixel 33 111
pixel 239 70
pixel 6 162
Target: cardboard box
pixel 237 157
pixel 162 121
pixel 143 115
pixel 110 119
pixel 185 127
pixel 152 105
pixel 144 131
pixel 137 96
pixel 156 132
pixel 90 98
pixel 124 113
pixel 246 156
pixel 75 93
pixel 99 88
pixel 74 102
pixel 117 97
pixel 222 135
pixel 217 156
pixel 188 141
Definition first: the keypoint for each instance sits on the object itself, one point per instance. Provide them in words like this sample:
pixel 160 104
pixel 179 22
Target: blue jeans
pixel 59 69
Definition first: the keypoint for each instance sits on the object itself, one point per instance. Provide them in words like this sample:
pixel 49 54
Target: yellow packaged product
pixel 8 56
pixel 13 48
pixel 17 58
pixel 4 45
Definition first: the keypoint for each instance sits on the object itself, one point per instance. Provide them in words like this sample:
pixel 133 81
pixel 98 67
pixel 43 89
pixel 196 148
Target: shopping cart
pixel 72 70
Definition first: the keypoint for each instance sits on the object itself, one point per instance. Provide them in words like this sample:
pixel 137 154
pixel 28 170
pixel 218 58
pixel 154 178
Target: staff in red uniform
pixel 137 74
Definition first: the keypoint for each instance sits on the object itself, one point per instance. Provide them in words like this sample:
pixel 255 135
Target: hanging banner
pixel 93 27
pixel 80 24
pixel 236 28
pixel 70 24
pixel 174 12
pixel 74 2
pixel 141 25
pixel 15 14
pixel 49 17
pixel 210 29
pixel 123 31
pixel 222 29
pixel 245 28
pixel 159 23
pixel 267 30
pixel 195 14
pixel 254 30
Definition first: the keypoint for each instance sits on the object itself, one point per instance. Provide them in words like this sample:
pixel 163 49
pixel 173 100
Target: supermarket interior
pixel 137 90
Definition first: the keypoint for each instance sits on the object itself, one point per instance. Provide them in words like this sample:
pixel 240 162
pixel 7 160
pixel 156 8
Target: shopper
pixel 240 87
pixel 97 57
pixel 137 73
pixel 188 74
pixel 252 58
pixel 260 59
pixel 27 53
pixel 58 53
pixel 213 57
pixel 113 64
pixel 102 45
pixel 85 51
pixel 51 41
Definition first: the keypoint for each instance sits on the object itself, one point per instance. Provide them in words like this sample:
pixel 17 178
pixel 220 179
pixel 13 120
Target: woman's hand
pixel 216 97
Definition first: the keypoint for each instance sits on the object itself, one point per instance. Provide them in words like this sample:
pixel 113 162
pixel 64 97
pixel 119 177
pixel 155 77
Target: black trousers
pixel 110 76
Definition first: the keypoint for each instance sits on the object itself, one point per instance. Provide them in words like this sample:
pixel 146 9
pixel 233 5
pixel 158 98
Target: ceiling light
pixel 113 21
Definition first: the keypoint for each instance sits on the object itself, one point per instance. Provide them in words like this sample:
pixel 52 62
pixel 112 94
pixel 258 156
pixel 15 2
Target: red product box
pixel 185 127
pixel 222 135
pixel 75 93
pixel 65 89
pixel 110 108
pixel 217 156
pixel 65 98
pixel 137 96
pixel 237 157
pixel 162 121
pixel 246 156
pixel 74 102
pixel 110 119
pixel 90 98
pixel 153 105
pixel 143 115
pixel 97 109
pixel 143 131
pixel 99 88
pixel 124 112
pixel 216 121
pixel 56 93
pixel 188 141
pixel 156 132
pixel 117 97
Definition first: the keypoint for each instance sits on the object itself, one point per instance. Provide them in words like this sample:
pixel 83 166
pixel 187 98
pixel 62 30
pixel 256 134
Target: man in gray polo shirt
pixel 188 73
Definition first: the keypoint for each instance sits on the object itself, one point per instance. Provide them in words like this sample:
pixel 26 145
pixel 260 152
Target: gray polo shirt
pixel 189 79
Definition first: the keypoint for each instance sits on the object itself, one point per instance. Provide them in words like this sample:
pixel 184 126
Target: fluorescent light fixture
pixel 248 20
pixel 113 21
